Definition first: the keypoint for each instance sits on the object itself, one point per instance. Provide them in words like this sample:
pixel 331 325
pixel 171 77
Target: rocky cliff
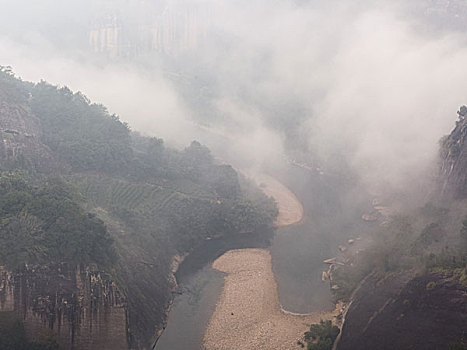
pixel 454 159
pixel 427 312
pixel 419 301
pixel 81 305
pixel 139 27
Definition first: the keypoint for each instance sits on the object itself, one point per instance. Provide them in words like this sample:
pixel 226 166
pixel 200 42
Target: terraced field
pixel 138 197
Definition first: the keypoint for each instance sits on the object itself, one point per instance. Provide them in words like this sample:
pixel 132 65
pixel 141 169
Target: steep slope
pixel 400 312
pixel 153 203
pixel 415 292
pixel 20 134
pixel 454 159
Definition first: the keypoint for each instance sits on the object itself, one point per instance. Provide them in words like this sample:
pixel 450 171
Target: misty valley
pixel 233 175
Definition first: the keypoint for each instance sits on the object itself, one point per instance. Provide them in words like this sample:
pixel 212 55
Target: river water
pixel 297 254
pixel 200 287
pixel 192 310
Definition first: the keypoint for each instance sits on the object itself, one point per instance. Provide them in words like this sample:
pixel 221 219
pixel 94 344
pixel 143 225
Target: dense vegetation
pixel 116 198
pixel 320 336
pixel 43 223
pixel 136 179
pixel 15 89
pixel 84 135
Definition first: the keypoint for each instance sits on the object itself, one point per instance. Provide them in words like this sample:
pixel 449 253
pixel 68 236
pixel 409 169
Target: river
pixel 297 254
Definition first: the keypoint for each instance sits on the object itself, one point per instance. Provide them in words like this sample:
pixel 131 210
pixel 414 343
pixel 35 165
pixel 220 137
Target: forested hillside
pixel 78 187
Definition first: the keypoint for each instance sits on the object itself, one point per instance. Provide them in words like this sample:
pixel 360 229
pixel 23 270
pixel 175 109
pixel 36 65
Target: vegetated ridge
pixel 92 216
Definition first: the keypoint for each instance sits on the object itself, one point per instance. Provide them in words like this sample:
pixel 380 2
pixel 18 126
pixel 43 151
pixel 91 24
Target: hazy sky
pixel 366 80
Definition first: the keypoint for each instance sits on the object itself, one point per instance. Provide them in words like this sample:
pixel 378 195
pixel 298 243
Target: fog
pixel 374 84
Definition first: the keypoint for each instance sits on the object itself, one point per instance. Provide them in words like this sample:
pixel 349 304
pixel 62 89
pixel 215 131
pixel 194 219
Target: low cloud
pixel 360 80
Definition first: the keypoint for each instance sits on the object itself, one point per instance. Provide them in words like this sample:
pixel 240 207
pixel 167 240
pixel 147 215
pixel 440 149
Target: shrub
pixel 321 336
pixel 430 285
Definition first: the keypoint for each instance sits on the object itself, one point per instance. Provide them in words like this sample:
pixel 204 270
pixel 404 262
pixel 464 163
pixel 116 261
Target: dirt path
pixel 248 315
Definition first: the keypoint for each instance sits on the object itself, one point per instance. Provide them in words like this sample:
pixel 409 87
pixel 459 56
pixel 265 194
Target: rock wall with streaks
pixel 454 160
pixel 80 304
pixel 171 29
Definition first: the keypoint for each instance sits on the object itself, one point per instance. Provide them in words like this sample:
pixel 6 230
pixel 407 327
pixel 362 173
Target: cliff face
pixel 81 305
pixel 426 312
pixel 402 309
pixel 454 160
pixel 170 28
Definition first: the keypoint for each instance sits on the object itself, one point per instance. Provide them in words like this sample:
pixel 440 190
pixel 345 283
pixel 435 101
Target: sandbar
pixel 290 208
pixel 248 315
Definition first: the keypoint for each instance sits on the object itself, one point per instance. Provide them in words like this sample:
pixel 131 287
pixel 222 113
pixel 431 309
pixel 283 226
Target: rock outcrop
pixel 81 305
pixel 400 309
pixel 454 160
pixel 167 27
pixel 428 312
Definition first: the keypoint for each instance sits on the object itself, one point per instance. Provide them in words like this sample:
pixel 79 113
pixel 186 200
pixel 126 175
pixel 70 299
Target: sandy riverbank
pixel 290 208
pixel 248 315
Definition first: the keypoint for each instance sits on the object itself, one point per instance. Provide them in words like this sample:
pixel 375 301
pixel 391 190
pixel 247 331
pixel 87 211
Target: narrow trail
pixel 248 314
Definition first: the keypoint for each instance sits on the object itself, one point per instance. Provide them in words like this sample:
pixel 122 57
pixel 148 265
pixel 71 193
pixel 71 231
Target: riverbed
pixel 199 288
pixel 249 307
pixel 297 252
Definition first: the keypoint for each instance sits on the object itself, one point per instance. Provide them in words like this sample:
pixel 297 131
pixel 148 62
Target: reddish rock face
pixel 81 305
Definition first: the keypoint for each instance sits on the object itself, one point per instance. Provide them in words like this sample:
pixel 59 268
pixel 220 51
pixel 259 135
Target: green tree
pixel 321 336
